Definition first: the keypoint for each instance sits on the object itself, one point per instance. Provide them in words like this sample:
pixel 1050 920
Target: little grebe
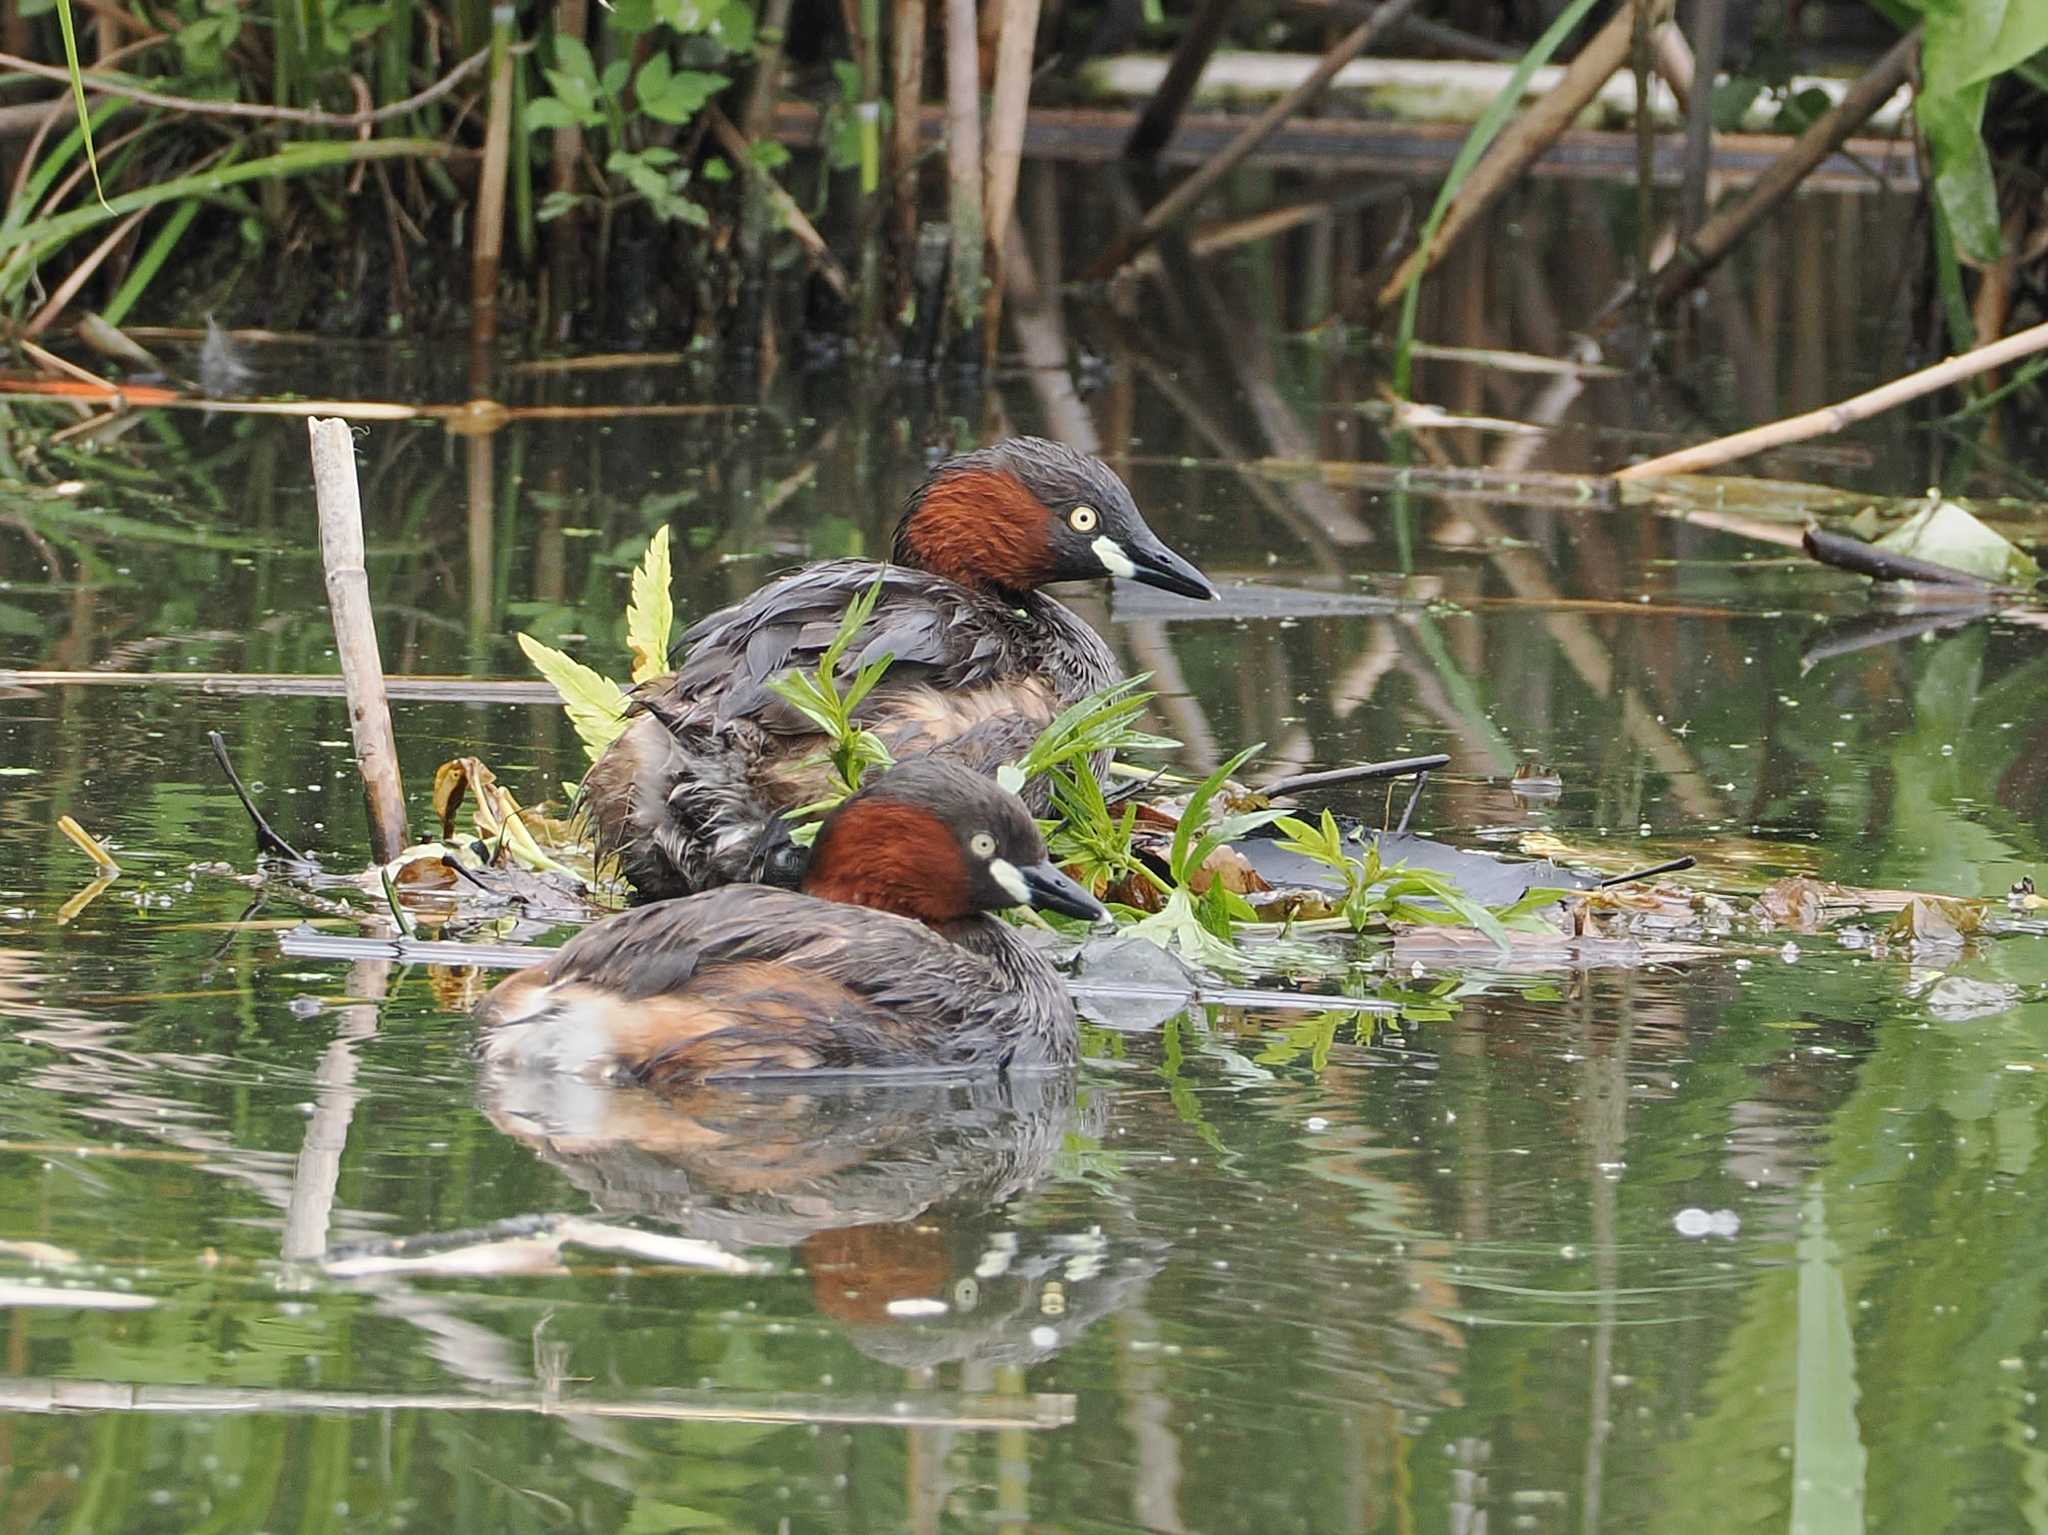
pixel 885 960
pixel 982 660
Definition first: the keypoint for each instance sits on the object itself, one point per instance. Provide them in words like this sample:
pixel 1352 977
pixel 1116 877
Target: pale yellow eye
pixel 982 845
pixel 1082 519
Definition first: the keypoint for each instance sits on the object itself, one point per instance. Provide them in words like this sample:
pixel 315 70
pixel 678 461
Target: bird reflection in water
pixel 896 1196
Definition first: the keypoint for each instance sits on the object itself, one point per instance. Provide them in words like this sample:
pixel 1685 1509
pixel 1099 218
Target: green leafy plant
pixel 631 113
pixel 1968 44
pixel 595 704
pixel 1376 894
pixel 1203 926
pixel 1105 721
pixel 1089 838
pixel 829 702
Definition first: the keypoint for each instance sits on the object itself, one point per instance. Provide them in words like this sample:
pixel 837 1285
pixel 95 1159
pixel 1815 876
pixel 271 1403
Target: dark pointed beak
pixel 1156 565
pixel 1051 890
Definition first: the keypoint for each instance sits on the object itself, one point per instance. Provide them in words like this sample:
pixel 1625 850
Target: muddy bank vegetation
pixel 749 170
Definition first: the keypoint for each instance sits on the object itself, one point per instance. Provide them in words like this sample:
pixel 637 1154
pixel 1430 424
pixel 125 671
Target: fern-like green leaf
pixel 650 614
pixel 596 705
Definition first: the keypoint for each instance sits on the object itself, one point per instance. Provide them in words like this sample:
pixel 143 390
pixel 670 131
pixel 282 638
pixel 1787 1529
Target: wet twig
pixel 1860 558
pixel 267 838
pixel 1399 767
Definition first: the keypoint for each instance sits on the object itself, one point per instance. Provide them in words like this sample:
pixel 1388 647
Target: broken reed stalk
pixel 963 159
pixel 734 143
pixel 1526 138
pixel 492 181
pixel 1698 256
pixel 355 633
pixel 906 71
pixel 1156 124
pixel 1009 105
pixel 1177 203
pixel 1710 26
pixel 1833 418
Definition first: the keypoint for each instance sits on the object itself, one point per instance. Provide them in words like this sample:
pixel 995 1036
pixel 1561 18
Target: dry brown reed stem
pixel 906 70
pixel 61 297
pixel 963 159
pixel 1527 137
pixel 355 633
pixel 42 357
pixel 1009 105
pixel 294 685
pixel 1710 25
pixel 491 185
pixel 1720 234
pixel 734 143
pixel 1161 116
pixel 198 107
pixel 1177 203
pixel 937 1409
pixel 1833 418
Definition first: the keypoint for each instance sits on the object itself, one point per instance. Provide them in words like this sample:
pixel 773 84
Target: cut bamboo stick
pixel 355 633
pixel 1527 137
pixel 1177 203
pixel 1833 418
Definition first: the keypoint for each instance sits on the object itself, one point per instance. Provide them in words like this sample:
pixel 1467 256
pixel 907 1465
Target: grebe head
pixel 932 840
pixel 1027 512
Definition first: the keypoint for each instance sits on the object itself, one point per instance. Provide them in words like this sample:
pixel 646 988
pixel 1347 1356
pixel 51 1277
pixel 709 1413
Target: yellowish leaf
pixel 651 612
pixel 596 705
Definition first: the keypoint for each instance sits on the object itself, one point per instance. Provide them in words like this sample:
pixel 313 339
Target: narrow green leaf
pixel 64 25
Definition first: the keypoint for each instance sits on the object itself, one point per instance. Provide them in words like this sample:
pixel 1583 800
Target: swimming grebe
pixel 886 958
pixel 983 660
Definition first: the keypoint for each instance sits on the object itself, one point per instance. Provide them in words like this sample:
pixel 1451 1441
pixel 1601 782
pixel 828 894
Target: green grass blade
pixel 297 160
pixel 71 63
pixel 1477 142
pixel 151 261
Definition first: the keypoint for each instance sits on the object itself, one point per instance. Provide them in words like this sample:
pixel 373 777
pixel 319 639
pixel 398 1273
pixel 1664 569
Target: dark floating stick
pixel 1853 554
pixel 267 839
pixel 1397 768
pixel 1675 866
